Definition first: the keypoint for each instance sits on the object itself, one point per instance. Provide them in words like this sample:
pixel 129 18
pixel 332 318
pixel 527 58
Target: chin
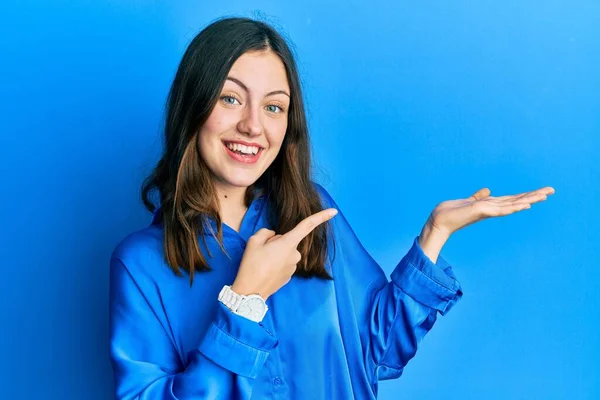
pixel 239 181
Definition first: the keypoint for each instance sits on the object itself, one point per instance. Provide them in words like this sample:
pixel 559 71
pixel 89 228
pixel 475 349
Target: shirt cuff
pixel 237 343
pixel 434 285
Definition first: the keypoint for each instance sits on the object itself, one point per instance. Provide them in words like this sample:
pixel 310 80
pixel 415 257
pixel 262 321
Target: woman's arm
pixel 145 361
pixel 393 315
pixel 403 310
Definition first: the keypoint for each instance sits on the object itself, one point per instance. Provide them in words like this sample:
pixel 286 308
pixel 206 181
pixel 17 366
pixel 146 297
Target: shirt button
pixel 243 245
pixel 277 381
pixel 257 207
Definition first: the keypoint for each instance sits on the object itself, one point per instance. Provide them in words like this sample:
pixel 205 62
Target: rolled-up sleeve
pixel 434 285
pixel 237 343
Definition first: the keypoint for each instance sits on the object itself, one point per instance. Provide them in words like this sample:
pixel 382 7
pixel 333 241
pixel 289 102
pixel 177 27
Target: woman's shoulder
pixel 328 201
pixel 141 250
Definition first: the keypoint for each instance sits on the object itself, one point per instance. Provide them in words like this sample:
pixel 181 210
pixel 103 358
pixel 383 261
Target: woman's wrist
pixel 431 241
pixel 239 289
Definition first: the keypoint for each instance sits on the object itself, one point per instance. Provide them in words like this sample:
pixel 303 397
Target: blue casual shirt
pixel 320 339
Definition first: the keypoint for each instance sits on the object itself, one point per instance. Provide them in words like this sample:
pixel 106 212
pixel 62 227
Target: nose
pixel 250 124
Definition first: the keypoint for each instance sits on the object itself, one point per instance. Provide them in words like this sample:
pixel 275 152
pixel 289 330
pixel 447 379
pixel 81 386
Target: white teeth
pixel 244 149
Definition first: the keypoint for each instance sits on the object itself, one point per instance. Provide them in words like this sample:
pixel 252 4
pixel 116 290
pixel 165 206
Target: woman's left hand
pixel 452 215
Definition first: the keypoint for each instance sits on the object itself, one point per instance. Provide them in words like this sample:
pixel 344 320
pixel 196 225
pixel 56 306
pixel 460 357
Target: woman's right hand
pixel 270 260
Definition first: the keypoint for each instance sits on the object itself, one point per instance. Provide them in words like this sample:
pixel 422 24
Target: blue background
pixel 410 104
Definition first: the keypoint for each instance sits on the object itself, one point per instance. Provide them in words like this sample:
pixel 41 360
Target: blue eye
pixel 229 100
pixel 273 108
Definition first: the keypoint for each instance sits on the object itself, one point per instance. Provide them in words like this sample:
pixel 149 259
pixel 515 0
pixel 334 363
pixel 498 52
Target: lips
pixel 243 159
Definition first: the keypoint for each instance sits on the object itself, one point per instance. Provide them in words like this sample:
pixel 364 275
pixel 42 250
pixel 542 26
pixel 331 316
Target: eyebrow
pixel 241 84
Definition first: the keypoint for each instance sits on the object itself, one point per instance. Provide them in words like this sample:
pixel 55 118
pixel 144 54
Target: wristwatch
pixel 252 306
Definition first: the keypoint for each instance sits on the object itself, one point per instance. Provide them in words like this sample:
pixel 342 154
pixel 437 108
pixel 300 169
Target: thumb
pixel 481 193
pixel 263 235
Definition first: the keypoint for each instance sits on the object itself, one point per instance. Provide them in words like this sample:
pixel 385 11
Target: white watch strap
pixel 230 298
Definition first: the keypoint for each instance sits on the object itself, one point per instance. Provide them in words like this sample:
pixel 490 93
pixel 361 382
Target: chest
pixel 302 313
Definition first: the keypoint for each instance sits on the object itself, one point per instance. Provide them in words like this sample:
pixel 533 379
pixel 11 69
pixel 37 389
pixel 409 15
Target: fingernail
pixel 333 212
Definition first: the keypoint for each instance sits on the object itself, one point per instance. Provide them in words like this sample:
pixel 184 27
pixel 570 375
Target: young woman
pixel 245 284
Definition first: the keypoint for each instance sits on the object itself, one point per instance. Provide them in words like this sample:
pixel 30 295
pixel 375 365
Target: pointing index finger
pixel 308 224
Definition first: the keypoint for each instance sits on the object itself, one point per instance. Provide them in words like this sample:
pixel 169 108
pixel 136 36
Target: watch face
pixel 253 308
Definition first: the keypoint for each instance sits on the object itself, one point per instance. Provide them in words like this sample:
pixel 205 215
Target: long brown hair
pixel 183 180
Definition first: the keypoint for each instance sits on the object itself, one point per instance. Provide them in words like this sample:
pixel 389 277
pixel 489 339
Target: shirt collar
pixel 254 219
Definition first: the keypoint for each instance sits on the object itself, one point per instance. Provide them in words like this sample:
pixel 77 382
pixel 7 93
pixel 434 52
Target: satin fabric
pixel 320 339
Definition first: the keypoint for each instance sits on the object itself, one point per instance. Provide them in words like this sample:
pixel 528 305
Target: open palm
pixel 452 215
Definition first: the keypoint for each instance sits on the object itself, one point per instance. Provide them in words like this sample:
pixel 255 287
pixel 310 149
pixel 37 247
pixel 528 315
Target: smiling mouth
pixel 251 154
pixel 244 158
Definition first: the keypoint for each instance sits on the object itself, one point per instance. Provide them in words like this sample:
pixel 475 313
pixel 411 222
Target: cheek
pixel 219 120
pixel 277 134
pixel 213 124
pixel 209 135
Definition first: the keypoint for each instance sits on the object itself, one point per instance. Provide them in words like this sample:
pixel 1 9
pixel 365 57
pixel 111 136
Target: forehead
pixel 260 71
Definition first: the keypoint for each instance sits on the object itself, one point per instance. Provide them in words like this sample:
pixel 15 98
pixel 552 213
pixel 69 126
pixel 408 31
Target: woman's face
pixel 251 114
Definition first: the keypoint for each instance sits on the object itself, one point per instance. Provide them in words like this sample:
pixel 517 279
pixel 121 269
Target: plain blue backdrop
pixel 410 104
